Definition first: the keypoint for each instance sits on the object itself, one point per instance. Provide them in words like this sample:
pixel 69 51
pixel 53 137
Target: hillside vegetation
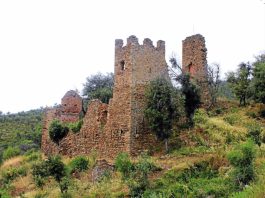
pixel 215 151
pixel 21 131
pixel 201 164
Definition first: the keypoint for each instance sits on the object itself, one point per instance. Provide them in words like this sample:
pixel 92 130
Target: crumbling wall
pixel 194 61
pixel 119 126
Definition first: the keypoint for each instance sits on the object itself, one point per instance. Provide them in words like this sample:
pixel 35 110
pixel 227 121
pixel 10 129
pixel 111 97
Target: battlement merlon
pixel 133 40
pixel 118 43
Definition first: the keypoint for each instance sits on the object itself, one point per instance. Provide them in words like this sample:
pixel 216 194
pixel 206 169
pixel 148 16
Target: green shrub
pixel 39 181
pixel 219 111
pixel 242 158
pixel 33 156
pixel 255 133
pixel 4 193
pixel 57 131
pixel 231 119
pixel 139 177
pixel 10 152
pixel 123 164
pixel 56 167
pixel 66 195
pixel 251 114
pixel 12 173
pixel 199 180
pixel 40 170
pixel 78 164
pixel 135 174
pixel 76 126
pixel 64 184
pixel 200 116
pixel 53 166
pixel 229 138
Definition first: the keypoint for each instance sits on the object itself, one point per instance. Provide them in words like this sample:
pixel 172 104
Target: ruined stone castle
pixel 120 126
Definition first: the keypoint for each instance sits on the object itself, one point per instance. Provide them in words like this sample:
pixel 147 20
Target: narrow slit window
pixel 122 63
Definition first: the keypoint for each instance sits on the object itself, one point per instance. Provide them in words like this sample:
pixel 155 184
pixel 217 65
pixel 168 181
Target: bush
pixel 57 131
pixel 4 193
pixel 76 126
pixel 33 156
pixel 123 164
pixel 242 159
pixel 135 175
pixel 200 116
pixel 251 114
pixel 231 119
pixel 199 180
pixel 12 173
pixel 78 164
pixel 139 178
pixel 56 167
pixel 39 181
pixel 52 167
pixel 66 195
pixel 255 133
pixel 64 184
pixel 10 152
pixel 40 170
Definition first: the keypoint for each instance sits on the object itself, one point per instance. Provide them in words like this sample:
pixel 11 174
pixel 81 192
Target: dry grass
pixel 13 162
pixel 22 185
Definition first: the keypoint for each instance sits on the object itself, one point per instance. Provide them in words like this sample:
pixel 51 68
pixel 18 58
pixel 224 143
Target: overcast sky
pixel 49 47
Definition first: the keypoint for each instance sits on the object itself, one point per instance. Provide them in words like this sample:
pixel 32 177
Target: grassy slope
pixel 210 140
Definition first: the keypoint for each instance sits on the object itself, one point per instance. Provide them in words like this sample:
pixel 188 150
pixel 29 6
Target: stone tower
pixel 194 61
pixel 118 126
pixel 135 66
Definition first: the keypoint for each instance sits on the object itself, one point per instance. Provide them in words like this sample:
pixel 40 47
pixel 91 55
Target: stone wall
pixel 119 126
pixel 194 61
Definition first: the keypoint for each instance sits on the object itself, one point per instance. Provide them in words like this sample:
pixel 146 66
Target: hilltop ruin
pixel 120 125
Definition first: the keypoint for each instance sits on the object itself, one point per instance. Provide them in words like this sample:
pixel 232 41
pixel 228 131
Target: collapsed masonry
pixel 120 125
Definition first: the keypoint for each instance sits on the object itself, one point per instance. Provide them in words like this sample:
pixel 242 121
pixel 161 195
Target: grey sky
pixel 48 47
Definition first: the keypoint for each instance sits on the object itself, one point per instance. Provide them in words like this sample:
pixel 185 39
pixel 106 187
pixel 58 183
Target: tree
pixel 213 81
pixel 57 131
pixel 163 107
pixel 189 89
pixel 259 79
pixel 191 94
pixel 240 82
pixel 99 86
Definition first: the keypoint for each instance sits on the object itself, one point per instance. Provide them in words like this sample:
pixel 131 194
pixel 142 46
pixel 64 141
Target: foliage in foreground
pixel 135 174
pixel 54 167
pixel 242 159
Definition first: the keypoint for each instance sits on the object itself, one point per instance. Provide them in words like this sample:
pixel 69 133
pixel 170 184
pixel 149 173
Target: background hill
pixel 21 130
